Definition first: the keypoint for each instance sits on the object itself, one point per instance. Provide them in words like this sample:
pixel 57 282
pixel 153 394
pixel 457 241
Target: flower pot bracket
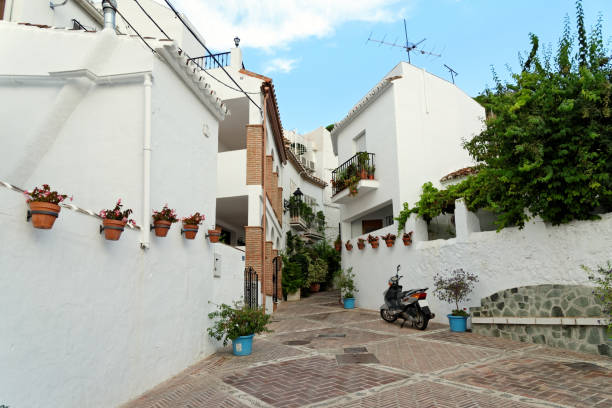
pixel 152 227
pixel 183 230
pixel 102 228
pixel 32 212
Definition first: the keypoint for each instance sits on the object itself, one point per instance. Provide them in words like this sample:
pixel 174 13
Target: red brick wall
pixel 254 150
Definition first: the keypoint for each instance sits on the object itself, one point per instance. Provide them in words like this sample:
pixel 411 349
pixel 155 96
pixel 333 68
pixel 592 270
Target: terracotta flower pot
pixel 349 246
pixel 315 287
pixel 214 235
pixel 161 228
pixel 338 247
pixel 364 174
pixel 43 214
pixel 361 245
pixel 113 229
pixel 390 242
pixel 371 176
pixel 190 230
pixel 374 244
pixel 407 238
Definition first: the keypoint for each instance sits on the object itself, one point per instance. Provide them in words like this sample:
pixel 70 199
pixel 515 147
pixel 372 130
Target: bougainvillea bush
pixel 117 213
pixel 166 214
pixel 44 194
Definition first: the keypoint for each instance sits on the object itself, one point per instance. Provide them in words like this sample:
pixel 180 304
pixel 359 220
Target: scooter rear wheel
pixel 421 321
pixel 388 316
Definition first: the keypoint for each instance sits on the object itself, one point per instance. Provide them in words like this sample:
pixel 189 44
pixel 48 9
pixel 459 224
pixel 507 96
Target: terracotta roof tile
pixel 466 171
pixel 255 75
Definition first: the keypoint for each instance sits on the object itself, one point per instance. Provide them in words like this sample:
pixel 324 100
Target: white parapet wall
pixel 538 254
pixel 93 323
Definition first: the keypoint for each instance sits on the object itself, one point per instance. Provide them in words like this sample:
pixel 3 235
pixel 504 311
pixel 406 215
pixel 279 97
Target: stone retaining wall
pixel 578 311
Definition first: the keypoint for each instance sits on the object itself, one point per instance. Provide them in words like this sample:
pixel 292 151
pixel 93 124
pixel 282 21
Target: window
pixel 360 143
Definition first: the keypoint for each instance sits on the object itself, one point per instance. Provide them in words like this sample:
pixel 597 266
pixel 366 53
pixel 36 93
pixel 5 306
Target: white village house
pixel 421 142
pixel 101 116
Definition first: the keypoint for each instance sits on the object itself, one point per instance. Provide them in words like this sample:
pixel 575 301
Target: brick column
pixel 254 139
pixel 253 236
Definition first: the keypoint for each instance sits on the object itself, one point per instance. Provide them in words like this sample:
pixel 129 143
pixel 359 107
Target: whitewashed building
pixel 411 125
pixel 101 116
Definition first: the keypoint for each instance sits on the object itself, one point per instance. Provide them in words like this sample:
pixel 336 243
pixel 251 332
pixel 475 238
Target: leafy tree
pixel 548 139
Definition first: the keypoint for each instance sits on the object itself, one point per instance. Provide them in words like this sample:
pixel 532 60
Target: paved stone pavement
pixel 321 355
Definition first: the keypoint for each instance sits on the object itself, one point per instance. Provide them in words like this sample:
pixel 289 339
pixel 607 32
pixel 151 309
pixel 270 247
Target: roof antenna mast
pixel 452 72
pixel 408 46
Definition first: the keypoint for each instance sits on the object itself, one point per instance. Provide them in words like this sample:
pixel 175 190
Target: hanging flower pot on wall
pixel 373 241
pixel 338 244
pixel 191 225
pixel 214 235
pixel 360 243
pixel 348 245
pixel 407 238
pixel 114 221
pixel 44 208
pixel 389 239
pixel 163 220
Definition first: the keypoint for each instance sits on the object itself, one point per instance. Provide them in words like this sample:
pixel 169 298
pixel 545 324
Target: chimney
pixel 236 55
pixel 109 6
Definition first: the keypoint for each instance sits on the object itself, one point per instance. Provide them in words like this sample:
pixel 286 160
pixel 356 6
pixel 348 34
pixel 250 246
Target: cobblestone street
pixel 321 355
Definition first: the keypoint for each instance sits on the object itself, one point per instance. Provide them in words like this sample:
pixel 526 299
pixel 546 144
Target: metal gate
pixel 251 287
pixel 276 265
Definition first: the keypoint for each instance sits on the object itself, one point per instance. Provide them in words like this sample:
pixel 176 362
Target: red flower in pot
pixel 389 239
pixel 44 206
pixel 360 243
pixel 163 220
pixel 191 225
pixel 407 238
pixel 114 221
pixel 373 241
pixel 348 246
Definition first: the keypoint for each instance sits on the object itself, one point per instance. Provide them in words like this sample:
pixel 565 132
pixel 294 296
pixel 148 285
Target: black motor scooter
pixel 409 305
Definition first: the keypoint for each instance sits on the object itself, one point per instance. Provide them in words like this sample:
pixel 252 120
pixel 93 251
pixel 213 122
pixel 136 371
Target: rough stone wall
pixel 546 301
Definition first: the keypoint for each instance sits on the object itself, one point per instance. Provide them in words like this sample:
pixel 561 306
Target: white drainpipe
pixel 146 165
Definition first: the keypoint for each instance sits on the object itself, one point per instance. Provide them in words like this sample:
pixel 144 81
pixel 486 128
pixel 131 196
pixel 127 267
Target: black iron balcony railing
pixel 208 61
pixel 347 175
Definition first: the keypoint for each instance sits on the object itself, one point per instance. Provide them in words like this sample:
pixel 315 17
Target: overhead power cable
pixel 210 53
pixel 131 26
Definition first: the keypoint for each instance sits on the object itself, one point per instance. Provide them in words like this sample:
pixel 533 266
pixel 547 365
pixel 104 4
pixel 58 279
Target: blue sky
pixel 317 55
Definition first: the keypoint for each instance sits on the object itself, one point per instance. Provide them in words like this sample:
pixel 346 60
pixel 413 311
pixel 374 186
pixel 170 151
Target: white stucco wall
pixel 39 12
pixel 90 322
pixel 538 254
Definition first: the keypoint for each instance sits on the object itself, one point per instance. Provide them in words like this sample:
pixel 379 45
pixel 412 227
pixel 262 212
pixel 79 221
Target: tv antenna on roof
pixel 452 72
pixel 408 46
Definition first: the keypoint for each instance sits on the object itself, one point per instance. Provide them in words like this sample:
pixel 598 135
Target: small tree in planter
pixel 454 289
pixel 317 272
pixel 44 206
pixel 389 239
pixel 114 221
pixel 238 324
pixel 191 225
pixel 163 220
pixel 373 241
pixel 345 281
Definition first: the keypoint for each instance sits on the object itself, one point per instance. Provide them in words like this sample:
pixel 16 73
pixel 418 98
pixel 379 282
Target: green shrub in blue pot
pixel 238 324
pixel 345 281
pixel 455 288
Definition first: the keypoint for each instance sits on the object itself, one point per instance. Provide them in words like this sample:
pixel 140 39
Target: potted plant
pixel 44 206
pixel 238 324
pixel 338 243
pixel 348 245
pixel 407 238
pixel 345 281
pixel 389 239
pixel 362 160
pixel 191 225
pixel 317 272
pixel 360 243
pixel 163 220
pixel 373 241
pixel 371 170
pixel 214 234
pixel 114 221
pixel 454 289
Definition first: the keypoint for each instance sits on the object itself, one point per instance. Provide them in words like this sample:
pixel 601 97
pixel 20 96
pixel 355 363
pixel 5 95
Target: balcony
pixel 354 176
pixel 302 218
pixel 213 61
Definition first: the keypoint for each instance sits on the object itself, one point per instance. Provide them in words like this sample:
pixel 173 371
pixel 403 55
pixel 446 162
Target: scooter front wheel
pixel 387 316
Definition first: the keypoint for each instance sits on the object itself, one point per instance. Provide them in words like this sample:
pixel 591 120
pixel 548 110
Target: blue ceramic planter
pixel 457 323
pixel 349 303
pixel 243 345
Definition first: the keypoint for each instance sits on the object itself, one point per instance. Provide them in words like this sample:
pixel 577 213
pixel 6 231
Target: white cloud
pixel 283 65
pixel 268 24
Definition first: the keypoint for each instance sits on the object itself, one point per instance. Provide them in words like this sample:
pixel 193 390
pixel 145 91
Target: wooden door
pixel 370 225
pixel 2 9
